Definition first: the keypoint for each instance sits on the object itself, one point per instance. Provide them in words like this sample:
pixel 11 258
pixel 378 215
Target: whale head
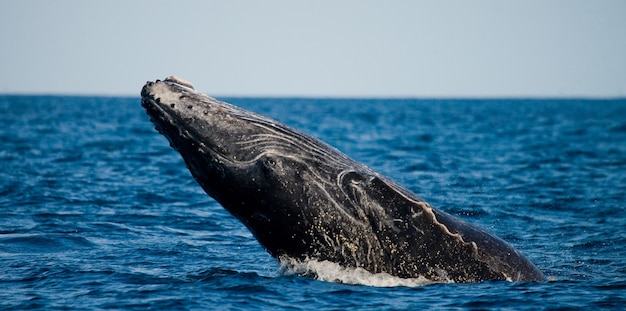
pixel 266 174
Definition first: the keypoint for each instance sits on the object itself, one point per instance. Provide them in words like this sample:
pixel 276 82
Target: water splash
pixel 333 272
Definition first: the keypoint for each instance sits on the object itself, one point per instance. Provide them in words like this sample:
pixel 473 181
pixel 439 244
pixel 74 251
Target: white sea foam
pixel 332 272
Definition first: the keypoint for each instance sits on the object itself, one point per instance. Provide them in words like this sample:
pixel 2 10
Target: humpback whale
pixel 303 199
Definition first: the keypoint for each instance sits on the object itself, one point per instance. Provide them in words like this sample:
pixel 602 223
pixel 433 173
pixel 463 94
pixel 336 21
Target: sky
pixel 450 49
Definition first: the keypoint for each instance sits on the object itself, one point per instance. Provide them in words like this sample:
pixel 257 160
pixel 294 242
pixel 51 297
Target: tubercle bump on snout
pixel 179 81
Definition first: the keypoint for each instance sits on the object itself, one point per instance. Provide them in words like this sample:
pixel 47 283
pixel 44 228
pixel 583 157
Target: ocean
pixel 98 212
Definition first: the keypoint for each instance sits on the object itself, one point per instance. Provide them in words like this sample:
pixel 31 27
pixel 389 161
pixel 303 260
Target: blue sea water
pixel 98 212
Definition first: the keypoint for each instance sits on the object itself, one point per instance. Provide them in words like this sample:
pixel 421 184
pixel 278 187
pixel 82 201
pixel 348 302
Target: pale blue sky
pixel 339 48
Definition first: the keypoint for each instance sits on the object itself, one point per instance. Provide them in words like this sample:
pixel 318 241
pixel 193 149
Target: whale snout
pixel 179 81
pixel 172 80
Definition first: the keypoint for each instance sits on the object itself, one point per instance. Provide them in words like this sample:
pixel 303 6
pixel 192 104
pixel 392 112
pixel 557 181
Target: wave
pixel 333 272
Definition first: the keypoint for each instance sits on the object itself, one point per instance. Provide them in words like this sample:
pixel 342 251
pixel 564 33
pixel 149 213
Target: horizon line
pixel 347 97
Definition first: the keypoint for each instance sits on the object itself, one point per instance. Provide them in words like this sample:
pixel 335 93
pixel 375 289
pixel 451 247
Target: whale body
pixel 305 200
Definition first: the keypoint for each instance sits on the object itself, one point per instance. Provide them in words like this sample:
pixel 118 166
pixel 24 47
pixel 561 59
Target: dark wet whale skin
pixel 303 199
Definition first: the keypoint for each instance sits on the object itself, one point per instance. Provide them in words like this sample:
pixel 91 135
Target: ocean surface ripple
pixel 98 212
